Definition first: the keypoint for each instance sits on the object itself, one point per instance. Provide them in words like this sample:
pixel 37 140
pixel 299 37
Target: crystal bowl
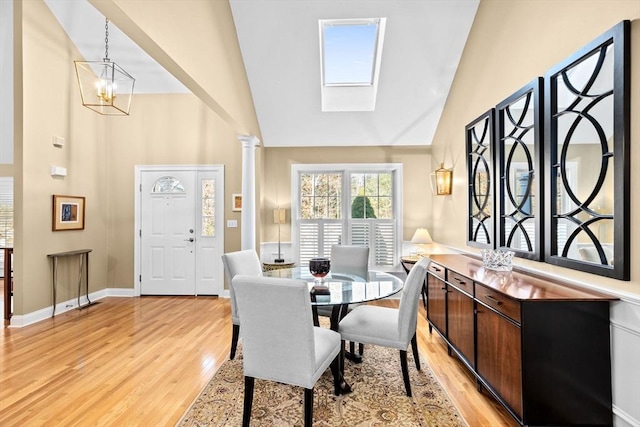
pixel 497 259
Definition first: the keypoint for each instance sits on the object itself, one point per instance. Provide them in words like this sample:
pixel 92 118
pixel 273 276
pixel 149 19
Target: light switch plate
pixel 232 223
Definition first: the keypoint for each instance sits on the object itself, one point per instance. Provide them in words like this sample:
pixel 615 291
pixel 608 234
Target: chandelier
pixel 104 86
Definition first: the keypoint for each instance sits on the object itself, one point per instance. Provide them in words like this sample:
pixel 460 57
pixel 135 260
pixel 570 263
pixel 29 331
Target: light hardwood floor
pixel 142 361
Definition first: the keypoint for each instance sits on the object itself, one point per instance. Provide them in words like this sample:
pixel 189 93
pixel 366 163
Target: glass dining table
pixel 343 289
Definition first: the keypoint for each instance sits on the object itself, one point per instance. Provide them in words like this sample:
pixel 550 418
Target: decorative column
pixel 248 215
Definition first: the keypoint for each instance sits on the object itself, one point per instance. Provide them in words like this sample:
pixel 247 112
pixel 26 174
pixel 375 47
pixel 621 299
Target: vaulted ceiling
pixel 279 41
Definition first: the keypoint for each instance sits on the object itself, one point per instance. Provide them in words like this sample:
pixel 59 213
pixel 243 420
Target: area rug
pixel 378 397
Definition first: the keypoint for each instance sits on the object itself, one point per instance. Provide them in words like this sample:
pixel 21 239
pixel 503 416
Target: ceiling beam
pixel 174 35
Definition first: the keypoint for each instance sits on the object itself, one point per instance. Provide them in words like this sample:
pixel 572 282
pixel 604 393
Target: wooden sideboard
pixel 541 347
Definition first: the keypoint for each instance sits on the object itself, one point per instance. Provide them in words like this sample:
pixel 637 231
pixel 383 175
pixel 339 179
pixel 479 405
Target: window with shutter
pixel 371 215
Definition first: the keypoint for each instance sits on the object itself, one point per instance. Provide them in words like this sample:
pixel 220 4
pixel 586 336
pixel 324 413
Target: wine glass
pixel 319 267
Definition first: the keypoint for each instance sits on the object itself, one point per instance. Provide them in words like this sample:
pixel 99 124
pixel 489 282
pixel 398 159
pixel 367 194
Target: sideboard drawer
pixel 437 270
pixel 463 283
pixel 498 301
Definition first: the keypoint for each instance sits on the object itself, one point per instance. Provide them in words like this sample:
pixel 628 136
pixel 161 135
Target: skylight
pixel 349 51
pixel 350 55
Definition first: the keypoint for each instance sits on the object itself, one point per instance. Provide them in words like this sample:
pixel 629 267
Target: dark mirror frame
pixel 481 151
pixel 618 37
pixel 520 127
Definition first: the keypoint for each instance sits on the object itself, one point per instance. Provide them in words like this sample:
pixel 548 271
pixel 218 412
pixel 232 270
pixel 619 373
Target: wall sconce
pixel 421 238
pixel 441 181
pixel 279 217
pixel 104 86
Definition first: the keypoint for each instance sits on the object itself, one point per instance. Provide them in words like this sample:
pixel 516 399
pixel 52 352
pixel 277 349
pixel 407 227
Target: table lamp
pixel 279 217
pixel 421 238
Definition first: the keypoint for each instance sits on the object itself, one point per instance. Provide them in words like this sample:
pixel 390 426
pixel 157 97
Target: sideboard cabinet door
pixel 436 303
pixel 460 323
pixel 499 356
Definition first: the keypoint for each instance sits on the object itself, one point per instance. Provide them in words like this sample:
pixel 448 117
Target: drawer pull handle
pixel 492 299
pixel 461 281
pixel 436 269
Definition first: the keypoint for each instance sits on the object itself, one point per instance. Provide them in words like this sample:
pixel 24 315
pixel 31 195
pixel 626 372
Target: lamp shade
pixel 279 216
pixel 421 237
pixel 441 181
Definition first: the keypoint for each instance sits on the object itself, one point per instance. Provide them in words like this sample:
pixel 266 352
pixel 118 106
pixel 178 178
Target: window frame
pixel 396 169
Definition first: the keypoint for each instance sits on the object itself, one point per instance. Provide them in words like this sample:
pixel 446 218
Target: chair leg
pixel 352 348
pixel 308 407
pixel 424 294
pixel 414 347
pixel 248 400
pixel 235 334
pixel 342 357
pixel 335 370
pixel 405 371
pixel 314 311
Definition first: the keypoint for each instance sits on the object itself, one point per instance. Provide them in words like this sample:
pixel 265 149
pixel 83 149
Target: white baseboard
pixel 20 321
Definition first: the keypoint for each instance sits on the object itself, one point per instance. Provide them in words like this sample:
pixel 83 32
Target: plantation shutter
pixel 360 232
pixel 385 247
pixel 380 236
pixel 317 237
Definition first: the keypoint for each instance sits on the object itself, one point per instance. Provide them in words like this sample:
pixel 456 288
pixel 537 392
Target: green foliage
pixel 361 208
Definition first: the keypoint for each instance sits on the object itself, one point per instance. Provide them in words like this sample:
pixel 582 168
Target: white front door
pixel 180 240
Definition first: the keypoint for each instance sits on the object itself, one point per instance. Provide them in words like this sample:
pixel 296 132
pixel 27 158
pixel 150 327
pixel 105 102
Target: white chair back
pixel 277 329
pixel 350 259
pixel 408 310
pixel 244 262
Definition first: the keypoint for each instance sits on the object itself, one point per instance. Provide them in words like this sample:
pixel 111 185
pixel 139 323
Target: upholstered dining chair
pixel 350 260
pixel 407 267
pixel 279 341
pixel 240 262
pixel 390 327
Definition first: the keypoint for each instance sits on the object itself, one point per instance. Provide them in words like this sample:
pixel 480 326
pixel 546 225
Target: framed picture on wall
pixel 68 213
pixel 236 202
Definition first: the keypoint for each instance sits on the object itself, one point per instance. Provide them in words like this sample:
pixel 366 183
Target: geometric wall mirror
pixel 587 158
pixel 519 159
pixel 480 176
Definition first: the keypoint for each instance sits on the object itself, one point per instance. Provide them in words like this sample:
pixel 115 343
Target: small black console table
pixel 83 271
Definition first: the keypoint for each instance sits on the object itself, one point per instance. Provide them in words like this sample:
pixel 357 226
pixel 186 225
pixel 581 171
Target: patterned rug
pixel 378 397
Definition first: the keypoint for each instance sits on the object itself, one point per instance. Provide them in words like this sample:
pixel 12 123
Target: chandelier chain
pixel 106 39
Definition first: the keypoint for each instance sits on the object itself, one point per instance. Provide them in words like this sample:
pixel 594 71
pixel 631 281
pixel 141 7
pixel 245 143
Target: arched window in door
pixel 167 184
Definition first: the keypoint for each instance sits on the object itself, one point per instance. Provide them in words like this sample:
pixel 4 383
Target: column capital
pixel 249 140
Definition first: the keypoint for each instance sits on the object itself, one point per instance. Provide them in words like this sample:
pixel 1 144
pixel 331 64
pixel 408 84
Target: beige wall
pixel 51 106
pixel 277 180
pixel 511 43
pixel 100 154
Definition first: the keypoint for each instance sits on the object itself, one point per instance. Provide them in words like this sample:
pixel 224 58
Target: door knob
pixel 190 239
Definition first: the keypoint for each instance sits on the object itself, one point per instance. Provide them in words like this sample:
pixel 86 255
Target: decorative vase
pixel 319 267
